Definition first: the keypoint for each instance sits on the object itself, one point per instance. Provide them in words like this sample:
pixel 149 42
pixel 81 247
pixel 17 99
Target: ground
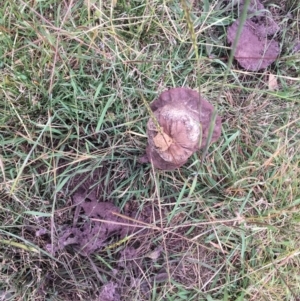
pixel 76 81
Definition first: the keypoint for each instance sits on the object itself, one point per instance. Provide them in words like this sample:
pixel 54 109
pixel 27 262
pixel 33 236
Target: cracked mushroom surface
pixel 180 128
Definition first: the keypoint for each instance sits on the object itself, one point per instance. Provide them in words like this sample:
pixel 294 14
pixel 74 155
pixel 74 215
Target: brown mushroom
pixel 180 127
pixel 254 50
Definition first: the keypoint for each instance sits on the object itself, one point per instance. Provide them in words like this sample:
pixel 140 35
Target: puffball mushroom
pixel 180 127
pixel 254 50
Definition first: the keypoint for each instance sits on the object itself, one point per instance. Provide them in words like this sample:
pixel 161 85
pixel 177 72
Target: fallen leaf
pixel 162 141
pixel 272 82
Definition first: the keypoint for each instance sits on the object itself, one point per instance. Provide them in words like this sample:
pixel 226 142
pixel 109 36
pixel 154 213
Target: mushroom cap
pixel 254 51
pixel 184 119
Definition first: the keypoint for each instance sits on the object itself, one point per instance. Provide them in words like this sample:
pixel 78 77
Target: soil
pixel 95 224
pixel 109 292
pixel 91 225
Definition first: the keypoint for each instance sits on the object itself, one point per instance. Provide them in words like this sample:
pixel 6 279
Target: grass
pixel 72 76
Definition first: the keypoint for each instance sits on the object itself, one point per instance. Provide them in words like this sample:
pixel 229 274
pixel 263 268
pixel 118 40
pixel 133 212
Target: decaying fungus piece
pixel 181 123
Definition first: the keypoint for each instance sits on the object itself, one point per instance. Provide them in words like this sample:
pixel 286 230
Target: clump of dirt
pixel 89 222
pixel 256 48
pixel 94 224
pixel 109 292
pixel 180 127
pixel 296 47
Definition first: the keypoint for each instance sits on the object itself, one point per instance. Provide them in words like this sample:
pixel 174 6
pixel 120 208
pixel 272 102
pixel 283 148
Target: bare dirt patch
pixel 86 234
pixel 143 256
